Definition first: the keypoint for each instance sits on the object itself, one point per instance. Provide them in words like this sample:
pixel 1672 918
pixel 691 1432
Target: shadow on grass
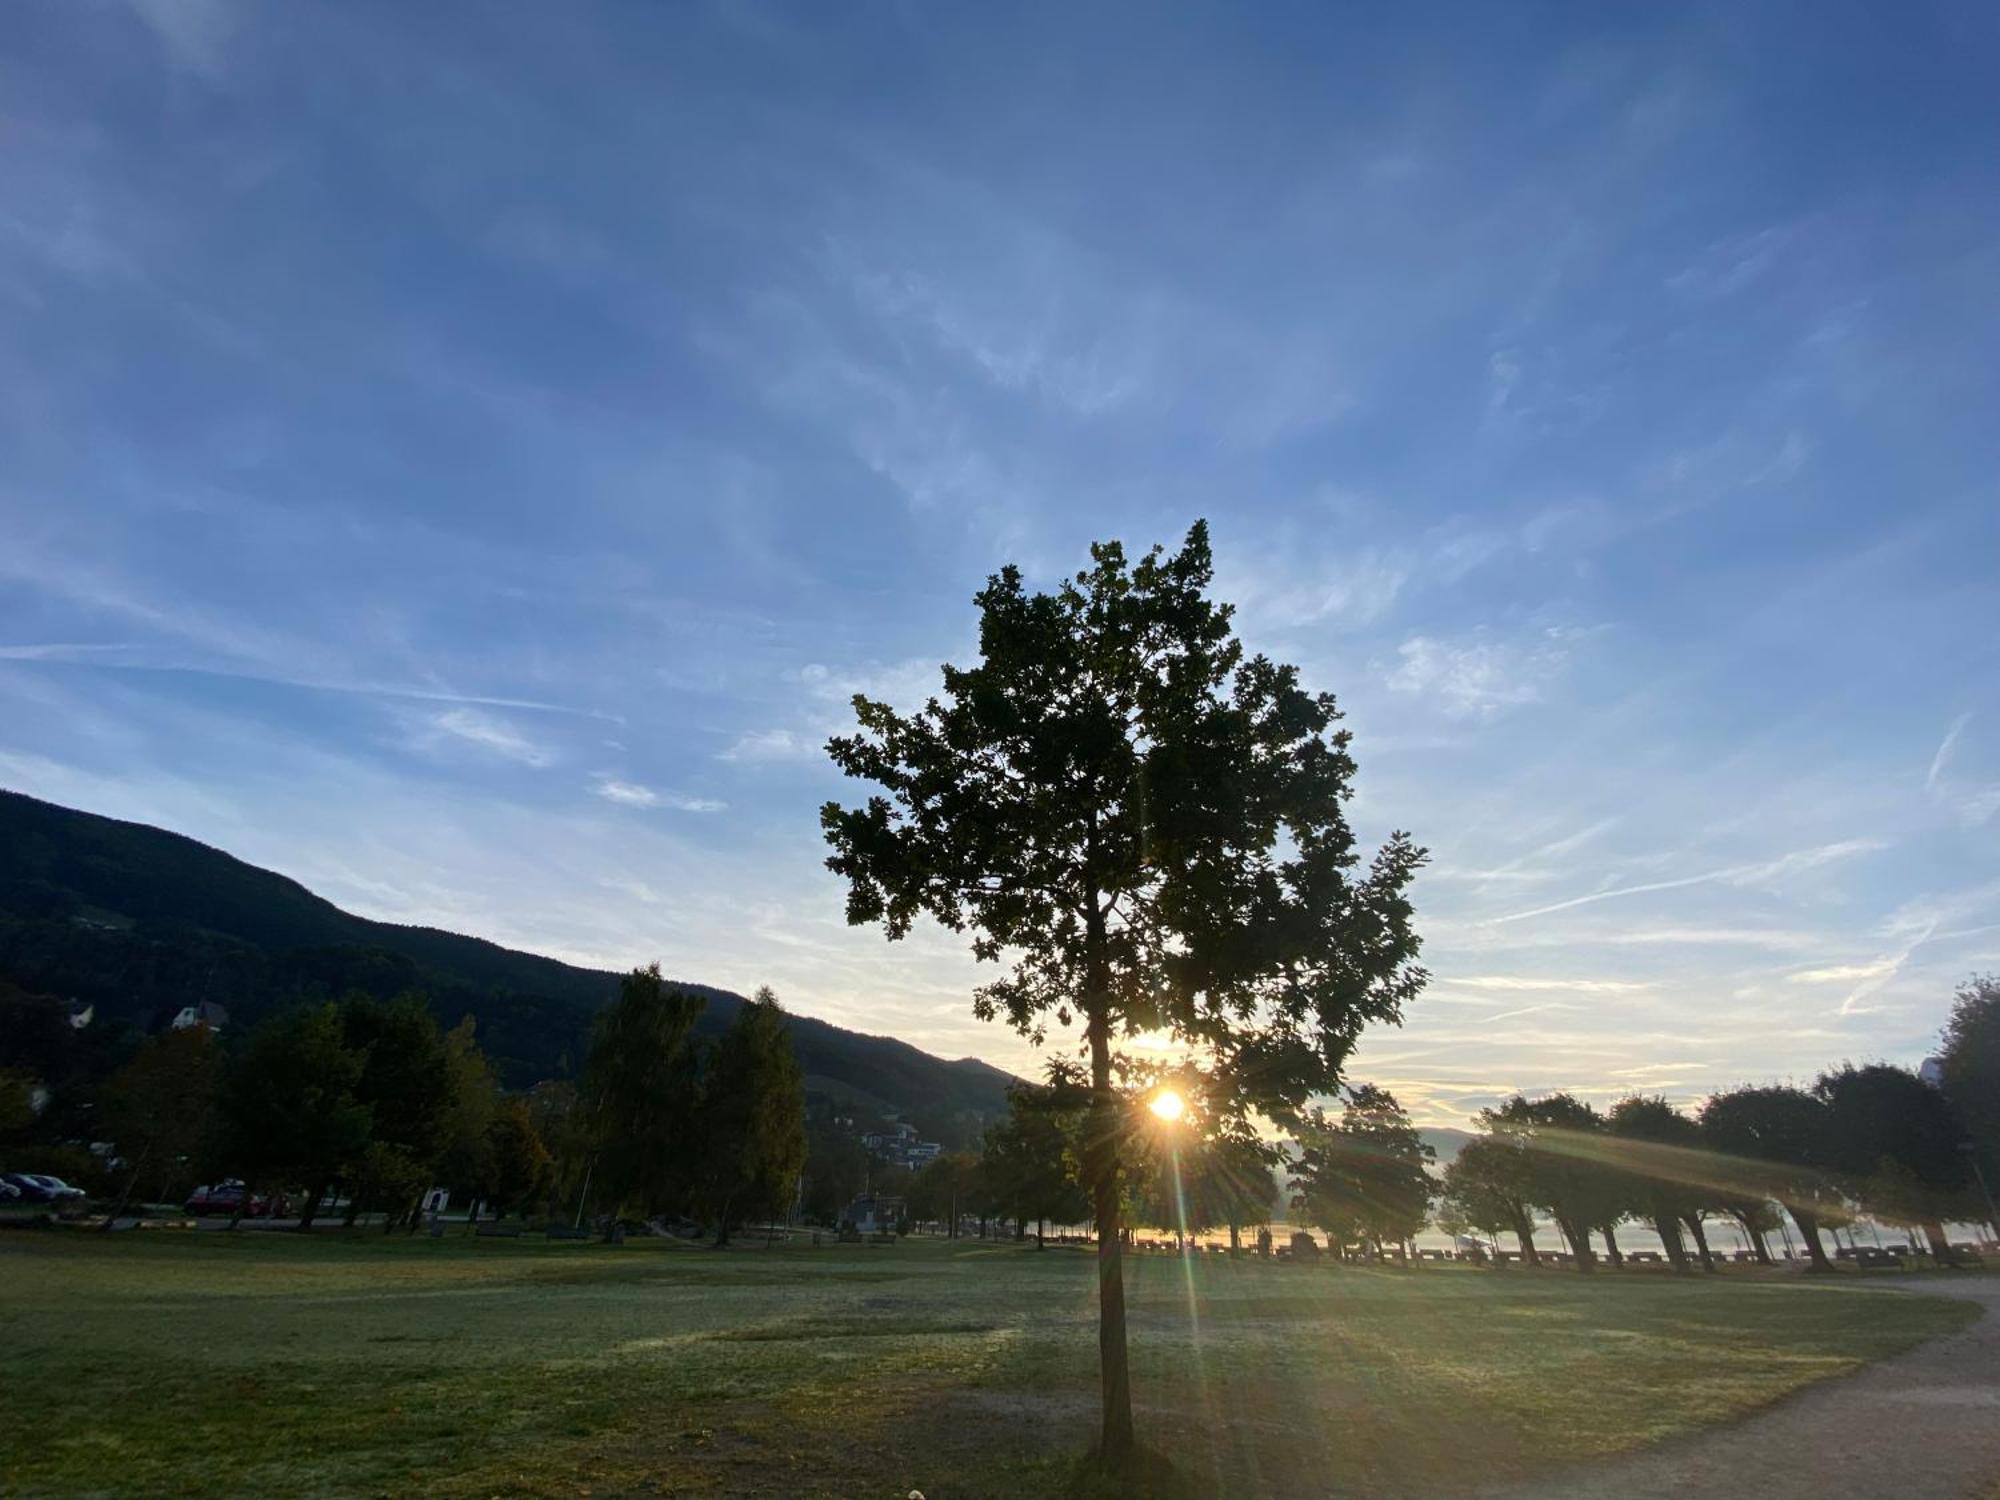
pixel 1141 1474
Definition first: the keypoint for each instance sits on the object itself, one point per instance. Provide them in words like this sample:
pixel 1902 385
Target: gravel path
pixel 1922 1426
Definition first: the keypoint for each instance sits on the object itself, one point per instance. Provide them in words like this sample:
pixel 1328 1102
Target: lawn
pixel 269 1364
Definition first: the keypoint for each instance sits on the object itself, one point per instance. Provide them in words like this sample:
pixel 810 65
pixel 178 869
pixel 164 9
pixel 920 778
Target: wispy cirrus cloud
pixel 482 731
pixel 637 794
pixel 1478 677
pixel 1756 873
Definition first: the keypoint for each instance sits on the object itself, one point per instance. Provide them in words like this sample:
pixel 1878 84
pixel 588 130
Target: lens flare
pixel 1168 1105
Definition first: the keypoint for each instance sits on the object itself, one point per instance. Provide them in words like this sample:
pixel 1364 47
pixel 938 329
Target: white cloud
pixel 486 732
pixel 1478 677
pixel 1762 873
pixel 626 793
pixel 1846 973
pixel 633 794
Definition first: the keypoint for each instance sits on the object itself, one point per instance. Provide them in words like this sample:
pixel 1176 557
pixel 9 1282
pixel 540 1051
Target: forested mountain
pixel 139 922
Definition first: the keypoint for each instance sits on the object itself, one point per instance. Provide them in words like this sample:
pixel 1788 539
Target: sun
pixel 1168 1105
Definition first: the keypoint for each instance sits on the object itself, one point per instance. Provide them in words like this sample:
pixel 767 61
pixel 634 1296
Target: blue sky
pixel 465 458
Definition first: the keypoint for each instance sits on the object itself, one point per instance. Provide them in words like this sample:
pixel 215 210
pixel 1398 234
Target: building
pixel 897 1144
pixel 207 1013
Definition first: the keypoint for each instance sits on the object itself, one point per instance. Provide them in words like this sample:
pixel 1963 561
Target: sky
pixel 466 458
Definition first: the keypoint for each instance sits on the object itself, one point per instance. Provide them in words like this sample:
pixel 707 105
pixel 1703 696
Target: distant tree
pixel 562 1126
pixel 406 1082
pixel 1489 1183
pixel 1663 1180
pixel 640 1087
pixel 1970 1062
pixel 753 1118
pixel 159 1107
pixel 1031 1159
pixel 289 1102
pixel 836 1169
pixel 1758 1218
pixel 1896 1144
pixel 520 1162
pixel 1567 1171
pixel 1149 827
pixel 1366 1174
pixel 1786 1134
pixel 1236 1183
pixel 945 1188
pixel 472 1095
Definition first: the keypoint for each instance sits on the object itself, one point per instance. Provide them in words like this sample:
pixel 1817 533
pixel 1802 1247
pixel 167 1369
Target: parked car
pixel 39 1187
pixel 8 1192
pixel 227 1196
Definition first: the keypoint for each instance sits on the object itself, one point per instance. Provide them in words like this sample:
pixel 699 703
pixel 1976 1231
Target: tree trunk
pixel 313 1200
pixel 1235 1239
pixel 1113 1369
pixel 1579 1245
pixel 1756 1237
pixel 1940 1246
pixel 1611 1252
pixel 131 1184
pixel 1669 1232
pixel 1524 1231
pixel 1700 1234
pixel 1809 1230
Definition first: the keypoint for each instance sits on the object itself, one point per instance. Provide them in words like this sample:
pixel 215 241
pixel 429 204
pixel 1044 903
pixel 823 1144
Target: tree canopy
pixel 1147 828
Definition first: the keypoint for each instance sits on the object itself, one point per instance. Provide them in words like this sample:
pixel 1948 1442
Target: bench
pixel 498 1231
pixel 565 1232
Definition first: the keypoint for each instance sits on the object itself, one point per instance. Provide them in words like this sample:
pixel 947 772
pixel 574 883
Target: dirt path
pixel 1922 1426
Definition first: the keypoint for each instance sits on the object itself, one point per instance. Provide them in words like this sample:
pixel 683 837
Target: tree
pixel 406 1083
pixel 1663 1164
pixel 640 1087
pixel 563 1127
pixel 1896 1142
pixel 1029 1159
pixel 158 1107
pixel 1970 1070
pixel 472 1094
pixel 1149 827
pixel 1365 1176
pixel 519 1162
pixel 289 1101
pixel 1566 1171
pixel 836 1169
pixel 1783 1133
pixel 1236 1183
pixel 944 1187
pixel 1488 1183
pixel 753 1118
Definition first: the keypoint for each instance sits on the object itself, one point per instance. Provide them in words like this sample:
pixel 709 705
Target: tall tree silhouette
pixel 753 1118
pixel 1148 826
pixel 640 1090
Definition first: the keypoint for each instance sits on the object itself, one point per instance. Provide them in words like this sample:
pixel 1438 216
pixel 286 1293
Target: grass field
pixel 273 1365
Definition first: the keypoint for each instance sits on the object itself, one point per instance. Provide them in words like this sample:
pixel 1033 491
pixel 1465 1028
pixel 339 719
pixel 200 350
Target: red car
pixel 226 1197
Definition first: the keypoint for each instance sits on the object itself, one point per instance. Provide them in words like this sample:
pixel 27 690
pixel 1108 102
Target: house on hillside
pixel 206 1013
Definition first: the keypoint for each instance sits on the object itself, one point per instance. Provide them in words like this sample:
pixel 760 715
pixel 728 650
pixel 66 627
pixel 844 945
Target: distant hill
pixel 140 922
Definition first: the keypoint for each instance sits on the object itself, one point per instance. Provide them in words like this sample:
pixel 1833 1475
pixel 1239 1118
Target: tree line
pixel 1873 1139
pixel 371 1103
